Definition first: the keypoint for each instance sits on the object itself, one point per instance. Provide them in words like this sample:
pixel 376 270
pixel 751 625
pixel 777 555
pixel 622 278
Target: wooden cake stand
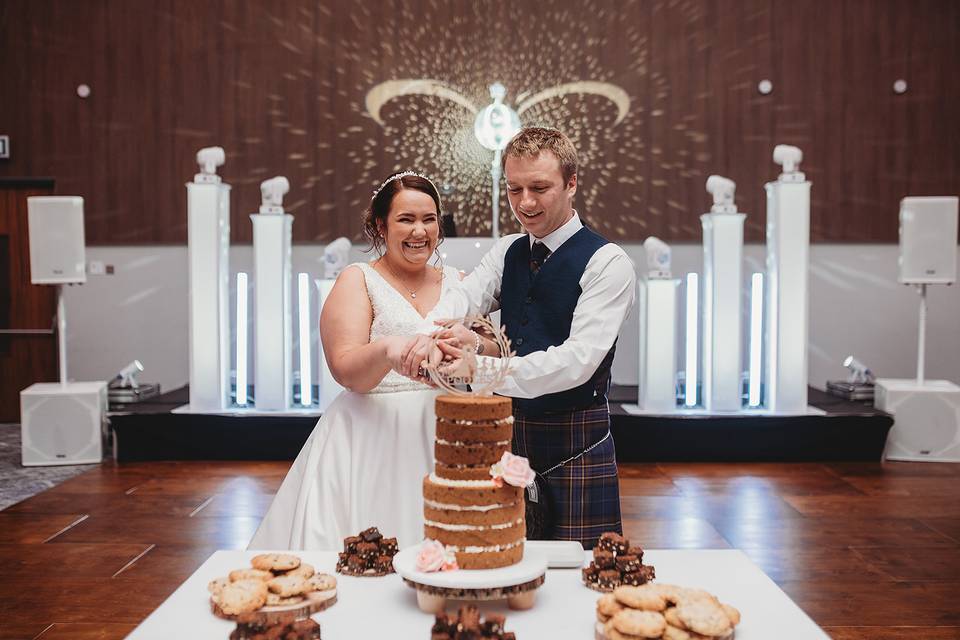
pixel 313 602
pixel 517 584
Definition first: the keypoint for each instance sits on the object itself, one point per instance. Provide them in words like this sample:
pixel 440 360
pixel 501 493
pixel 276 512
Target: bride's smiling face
pixel 412 227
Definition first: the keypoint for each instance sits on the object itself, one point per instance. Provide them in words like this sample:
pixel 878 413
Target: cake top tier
pixel 473 407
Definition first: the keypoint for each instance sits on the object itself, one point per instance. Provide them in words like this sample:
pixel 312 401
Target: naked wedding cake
pixel 473 501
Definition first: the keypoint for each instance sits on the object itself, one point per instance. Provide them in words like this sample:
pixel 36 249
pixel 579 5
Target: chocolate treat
pixel 383 564
pixel 609 578
pixel 468 625
pixel 590 573
pixel 389 546
pixel 604 559
pixel 613 542
pixel 628 563
pixel 371 535
pixel 634 578
pixel 648 572
pixel 635 551
pixel 367 551
pixel 350 544
pixel 356 564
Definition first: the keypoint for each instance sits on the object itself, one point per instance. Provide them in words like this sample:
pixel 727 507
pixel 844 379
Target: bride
pixel 364 463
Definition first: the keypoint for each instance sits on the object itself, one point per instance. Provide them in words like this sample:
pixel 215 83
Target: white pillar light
pixel 272 237
pixel 788 249
pixel 756 340
pixel 208 248
pixel 690 375
pixel 658 333
pixel 722 286
pixel 242 339
pixel 303 309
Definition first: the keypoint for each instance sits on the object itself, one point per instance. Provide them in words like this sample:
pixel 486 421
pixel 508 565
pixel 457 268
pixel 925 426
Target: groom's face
pixel 539 197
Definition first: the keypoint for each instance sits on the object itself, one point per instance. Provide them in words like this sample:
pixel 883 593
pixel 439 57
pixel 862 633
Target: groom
pixel 563 292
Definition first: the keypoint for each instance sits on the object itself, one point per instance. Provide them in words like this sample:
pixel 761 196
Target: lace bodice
pixel 393 315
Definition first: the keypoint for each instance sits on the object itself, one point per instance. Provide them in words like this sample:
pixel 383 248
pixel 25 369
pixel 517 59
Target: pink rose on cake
pixel 514 470
pixel 433 556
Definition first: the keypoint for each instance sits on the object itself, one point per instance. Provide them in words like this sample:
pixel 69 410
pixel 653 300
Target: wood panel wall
pixel 281 85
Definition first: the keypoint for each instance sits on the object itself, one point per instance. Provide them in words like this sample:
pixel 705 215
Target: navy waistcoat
pixel 537 311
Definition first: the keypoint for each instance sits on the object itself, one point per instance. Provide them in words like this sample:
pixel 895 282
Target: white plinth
pixel 564 610
pixel 62 423
pixel 329 388
pixel 208 249
pixel 658 345
pixel 272 358
pixel 788 258
pixel 722 312
pixel 926 419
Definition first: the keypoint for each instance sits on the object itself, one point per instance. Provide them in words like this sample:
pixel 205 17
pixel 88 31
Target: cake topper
pixel 483 376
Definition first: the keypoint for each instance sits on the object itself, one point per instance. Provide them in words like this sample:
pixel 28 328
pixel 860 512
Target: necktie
pixel 538 255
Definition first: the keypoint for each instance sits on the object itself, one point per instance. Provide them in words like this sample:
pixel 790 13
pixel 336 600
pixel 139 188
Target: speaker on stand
pixel 926 412
pixel 61 423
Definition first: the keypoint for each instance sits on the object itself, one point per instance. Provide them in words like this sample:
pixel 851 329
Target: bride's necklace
pixel 413 292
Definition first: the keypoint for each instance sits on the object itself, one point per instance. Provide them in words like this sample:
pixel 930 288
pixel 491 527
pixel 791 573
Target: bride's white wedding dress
pixel 364 463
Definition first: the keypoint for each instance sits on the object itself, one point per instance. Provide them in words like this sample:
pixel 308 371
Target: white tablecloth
pixel 385 607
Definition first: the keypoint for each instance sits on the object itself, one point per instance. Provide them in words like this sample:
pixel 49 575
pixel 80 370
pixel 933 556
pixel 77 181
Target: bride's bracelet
pixel 478 347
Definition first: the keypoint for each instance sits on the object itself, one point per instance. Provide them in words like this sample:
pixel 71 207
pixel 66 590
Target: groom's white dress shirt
pixel 608 288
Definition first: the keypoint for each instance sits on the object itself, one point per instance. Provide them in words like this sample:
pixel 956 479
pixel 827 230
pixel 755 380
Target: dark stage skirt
pixel 585 492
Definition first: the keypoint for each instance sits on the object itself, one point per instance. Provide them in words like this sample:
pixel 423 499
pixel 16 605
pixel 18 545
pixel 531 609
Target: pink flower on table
pixel 449 560
pixel 514 470
pixel 430 558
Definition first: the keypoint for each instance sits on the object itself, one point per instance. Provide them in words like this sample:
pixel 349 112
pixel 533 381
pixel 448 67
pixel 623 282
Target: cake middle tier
pixel 469 453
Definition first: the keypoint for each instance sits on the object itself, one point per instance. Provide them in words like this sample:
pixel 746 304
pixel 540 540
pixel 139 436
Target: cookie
pixel 274 600
pixel 643 624
pixel 673 619
pixel 704 616
pixel 305 571
pixel 676 633
pixel 287 586
pixel 217 585
pixel 250 574
pixel 322 582
pixel 275 562
pixel 644 598
pixel 732 613
pixel 608 605
pixel 243 596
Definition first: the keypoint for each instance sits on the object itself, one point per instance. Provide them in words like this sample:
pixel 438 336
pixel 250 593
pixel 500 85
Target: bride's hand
pixel 394 350
pixel 455 332
pixel 421 349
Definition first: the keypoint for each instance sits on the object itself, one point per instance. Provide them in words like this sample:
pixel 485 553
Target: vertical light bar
pixel 303 301
pixel 690 378
pixel 241 338
pixel 756 339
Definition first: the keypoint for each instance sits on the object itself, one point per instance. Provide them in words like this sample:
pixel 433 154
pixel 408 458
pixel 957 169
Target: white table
pixel 386 607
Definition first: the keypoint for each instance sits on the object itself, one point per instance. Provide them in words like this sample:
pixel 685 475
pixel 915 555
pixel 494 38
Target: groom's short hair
pixel 532 140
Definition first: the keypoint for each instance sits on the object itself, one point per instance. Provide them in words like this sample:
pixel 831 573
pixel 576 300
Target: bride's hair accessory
pixel 403 174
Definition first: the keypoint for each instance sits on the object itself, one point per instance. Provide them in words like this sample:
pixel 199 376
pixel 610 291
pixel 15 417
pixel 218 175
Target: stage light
pixel 306 377
pixel 128 375
pixel 690 376
pixel 756 339
pixel 494 126
pixel 859 373
pixel 242 339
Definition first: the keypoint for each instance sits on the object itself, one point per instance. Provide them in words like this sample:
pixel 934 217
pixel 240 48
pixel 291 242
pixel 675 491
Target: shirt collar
pixel 559 236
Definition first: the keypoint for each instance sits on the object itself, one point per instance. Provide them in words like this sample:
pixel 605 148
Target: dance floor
pixel 869 551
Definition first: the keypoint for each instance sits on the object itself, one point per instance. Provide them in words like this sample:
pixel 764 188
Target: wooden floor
pixel 868 551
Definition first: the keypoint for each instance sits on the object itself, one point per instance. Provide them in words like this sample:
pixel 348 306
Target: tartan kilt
pixel 585 491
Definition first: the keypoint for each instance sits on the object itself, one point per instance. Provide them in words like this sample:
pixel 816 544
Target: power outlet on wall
pixel 98 268
pixel 4 147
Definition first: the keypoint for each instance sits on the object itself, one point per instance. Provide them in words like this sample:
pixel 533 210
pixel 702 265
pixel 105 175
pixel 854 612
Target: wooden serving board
pixel 314 602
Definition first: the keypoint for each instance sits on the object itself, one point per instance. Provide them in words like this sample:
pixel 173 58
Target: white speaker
pixel 926 419
pixel 57 246
pixel 928 240
pixel 62 423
